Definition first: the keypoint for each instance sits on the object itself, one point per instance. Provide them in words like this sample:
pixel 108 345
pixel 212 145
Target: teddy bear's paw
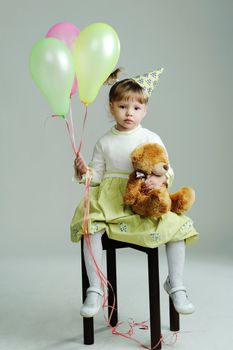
pixel 182 200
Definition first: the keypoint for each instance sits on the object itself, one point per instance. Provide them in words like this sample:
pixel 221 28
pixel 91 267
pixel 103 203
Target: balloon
pixel 96 53
pixel 68 33
pixel 64 31
pixel 52 69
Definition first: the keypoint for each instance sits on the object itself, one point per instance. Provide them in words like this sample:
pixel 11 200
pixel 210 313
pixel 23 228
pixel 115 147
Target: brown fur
pixel 154 203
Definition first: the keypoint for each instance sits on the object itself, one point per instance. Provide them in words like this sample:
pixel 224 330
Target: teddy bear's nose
pixel 165 167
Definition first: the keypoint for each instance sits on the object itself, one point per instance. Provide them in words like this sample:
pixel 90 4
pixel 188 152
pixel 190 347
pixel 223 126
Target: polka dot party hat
pixel 149 80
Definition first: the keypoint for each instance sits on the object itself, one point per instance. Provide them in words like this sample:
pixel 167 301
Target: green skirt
pixel 107 212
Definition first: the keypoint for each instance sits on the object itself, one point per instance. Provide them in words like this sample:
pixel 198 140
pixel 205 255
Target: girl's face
pixel 128 114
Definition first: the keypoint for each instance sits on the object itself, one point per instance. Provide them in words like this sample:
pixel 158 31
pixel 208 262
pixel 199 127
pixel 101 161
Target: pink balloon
pixel 74 87
pixel 66 32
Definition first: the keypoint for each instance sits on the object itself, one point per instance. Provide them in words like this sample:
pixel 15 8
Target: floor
pixel 40 299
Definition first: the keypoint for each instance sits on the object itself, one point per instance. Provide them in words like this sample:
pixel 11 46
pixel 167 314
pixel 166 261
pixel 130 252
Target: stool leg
pixel 174 317
pixel 88 323
pixel 154 297
pixel 112 278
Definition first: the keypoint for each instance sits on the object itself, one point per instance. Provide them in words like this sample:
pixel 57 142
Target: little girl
pixel 109 168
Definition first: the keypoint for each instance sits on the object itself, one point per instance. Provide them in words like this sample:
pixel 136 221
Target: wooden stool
pixel 154 296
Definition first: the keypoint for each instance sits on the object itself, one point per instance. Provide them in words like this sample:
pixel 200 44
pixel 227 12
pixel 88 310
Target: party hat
pixel 149 80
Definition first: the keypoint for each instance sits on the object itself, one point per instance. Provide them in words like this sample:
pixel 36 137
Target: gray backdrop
pixel 191 111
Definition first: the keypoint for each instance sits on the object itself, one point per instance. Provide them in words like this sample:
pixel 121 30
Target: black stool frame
pixel 154 295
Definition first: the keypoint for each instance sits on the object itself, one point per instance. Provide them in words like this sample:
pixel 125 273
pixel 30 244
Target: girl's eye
pixel 121 106
pixel 136 108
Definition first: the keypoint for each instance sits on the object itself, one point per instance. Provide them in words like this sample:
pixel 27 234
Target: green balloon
pixel 52 69
pixel 96 53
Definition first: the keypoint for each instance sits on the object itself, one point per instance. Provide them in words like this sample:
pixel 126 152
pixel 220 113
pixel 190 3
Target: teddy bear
pixel 148 159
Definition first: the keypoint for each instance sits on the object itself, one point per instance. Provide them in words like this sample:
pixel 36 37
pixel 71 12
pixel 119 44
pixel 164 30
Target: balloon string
pixel 84 122
pixel 69 132
pixel 105 284
pixel 143 325
pixel 103 280
pixel 72 126
pixel 86 202
pixel 71 137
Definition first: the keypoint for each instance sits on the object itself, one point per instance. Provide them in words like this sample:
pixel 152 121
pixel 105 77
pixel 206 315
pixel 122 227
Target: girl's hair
pixel 124 89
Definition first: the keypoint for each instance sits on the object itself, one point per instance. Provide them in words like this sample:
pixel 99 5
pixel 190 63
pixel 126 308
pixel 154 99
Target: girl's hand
pixel 154 181
pixel 80 165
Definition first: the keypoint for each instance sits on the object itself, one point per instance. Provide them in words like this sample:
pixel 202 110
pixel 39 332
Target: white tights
pixel 97 249
pixel 175 258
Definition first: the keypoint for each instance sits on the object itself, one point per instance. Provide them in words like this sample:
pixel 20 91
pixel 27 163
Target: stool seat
pixel 110 246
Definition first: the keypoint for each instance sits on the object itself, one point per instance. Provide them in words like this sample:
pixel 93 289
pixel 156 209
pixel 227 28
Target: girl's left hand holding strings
pixel 80 165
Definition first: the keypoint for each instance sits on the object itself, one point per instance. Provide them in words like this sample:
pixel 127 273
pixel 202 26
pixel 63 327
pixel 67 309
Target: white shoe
pixel 182 305
pixel 92 303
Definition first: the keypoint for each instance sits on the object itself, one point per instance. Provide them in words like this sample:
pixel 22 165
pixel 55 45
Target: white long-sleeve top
pixel 111 156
